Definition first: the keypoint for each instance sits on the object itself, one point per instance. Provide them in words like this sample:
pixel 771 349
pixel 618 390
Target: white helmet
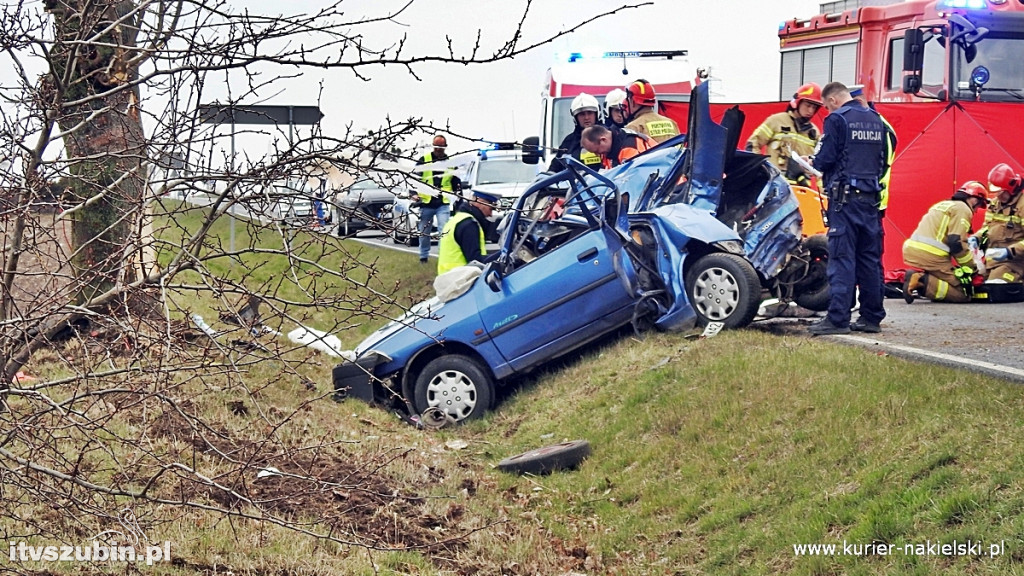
pixel 583 103
pixel 614 99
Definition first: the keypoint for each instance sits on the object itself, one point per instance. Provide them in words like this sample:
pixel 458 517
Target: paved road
pixel 981 337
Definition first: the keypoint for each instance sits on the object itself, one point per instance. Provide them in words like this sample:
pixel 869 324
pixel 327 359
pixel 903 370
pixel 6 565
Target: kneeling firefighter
pixel 939 247
pixel 1003 233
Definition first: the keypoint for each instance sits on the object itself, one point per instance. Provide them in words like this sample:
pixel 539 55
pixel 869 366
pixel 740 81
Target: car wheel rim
pixel 453 392
pixel 716 294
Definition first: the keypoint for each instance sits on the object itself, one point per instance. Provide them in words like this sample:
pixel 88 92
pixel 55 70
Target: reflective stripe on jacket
pixel 941 220
pixel 1006 225
pixel 427 176
pixel 652 124
pixel 449 253
pixel 780 135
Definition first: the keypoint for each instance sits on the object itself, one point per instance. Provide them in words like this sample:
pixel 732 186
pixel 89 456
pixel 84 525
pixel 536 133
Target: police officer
pixel 584 110
pixel 464 237
pixel 640 102
pixel 790 131
pixel 853 158
pixel 939 247
pixel 1004 226
pixel 435 204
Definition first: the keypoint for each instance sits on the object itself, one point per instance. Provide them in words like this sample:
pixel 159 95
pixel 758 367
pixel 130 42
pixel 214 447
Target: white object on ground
pixel 317 340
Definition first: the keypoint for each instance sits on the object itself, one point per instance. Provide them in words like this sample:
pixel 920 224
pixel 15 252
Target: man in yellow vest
pixel 1003 234
pixel 435 205
pixel 640 102
pixel 464 237
pixel 939 247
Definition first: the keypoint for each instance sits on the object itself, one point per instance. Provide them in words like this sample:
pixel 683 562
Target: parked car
pixel 365 205
pixel 661 241
pixel 501 173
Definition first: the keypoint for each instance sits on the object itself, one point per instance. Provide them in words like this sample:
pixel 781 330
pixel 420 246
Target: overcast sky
pixel 736 38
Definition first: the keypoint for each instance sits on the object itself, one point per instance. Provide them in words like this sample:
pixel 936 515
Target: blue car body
pixel 636 244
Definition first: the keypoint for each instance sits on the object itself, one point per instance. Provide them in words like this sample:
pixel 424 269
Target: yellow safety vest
pixel 449 253
pixel 428 177
pixel 890 153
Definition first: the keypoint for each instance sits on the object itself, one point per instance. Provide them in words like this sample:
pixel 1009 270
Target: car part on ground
pixel 563 456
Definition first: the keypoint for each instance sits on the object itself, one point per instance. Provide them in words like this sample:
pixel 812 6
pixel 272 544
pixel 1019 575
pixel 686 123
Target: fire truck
pixel 947 74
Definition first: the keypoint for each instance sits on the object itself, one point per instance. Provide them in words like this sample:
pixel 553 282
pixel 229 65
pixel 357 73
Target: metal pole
pixel 231 172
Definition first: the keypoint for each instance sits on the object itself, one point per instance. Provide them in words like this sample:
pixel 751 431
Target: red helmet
pixel 975 189
pixel 1002 177
pixel 810 92
pixel 642 92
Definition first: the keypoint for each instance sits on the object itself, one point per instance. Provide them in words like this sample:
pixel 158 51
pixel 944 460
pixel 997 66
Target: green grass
pixel 709 456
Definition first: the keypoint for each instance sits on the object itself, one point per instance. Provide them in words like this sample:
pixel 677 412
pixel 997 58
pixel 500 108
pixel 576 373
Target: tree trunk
pixel 98 111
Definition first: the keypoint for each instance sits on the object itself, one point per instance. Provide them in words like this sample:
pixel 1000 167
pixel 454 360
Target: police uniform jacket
pixel 652 124
pixel 853 150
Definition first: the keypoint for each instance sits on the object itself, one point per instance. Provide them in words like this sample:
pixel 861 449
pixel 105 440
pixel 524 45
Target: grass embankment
pixel 710 457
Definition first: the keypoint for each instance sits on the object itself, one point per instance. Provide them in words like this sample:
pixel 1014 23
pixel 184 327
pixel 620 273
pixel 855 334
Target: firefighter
pixel 852 158
pixel 614 108
pixel 584 110
pixel 790 131
pixel 464 237
pixel 640 102
pixel 1004 226
pixel 939 247
pixel 435 204
pixel 613 147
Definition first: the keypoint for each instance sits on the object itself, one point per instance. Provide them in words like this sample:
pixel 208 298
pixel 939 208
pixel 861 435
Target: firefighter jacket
pixel 573 146
pixel 652 124
pixel 462 240
pixel 446 181
pixel 945 219
pixel 1005 225
pixel 625 145
pixel 781 134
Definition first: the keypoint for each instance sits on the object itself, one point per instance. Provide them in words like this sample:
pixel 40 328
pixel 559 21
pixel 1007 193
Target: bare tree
pixel 130 400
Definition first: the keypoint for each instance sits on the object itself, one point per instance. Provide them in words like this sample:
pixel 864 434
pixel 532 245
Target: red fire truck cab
pixel 947 74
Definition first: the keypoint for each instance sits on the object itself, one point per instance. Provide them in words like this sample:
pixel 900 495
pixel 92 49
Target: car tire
pixel 564 456
pixel 723 288
pixel 815 295
pixel 455 384
pixel 412 237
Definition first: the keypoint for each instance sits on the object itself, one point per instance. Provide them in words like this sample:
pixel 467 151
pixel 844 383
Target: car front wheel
pixel 455 384
pixel 723 288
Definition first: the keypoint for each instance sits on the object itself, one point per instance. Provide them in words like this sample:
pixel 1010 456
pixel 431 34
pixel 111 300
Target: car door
pixel 561 300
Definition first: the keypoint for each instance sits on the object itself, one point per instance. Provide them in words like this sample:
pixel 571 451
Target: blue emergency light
pixel 965 4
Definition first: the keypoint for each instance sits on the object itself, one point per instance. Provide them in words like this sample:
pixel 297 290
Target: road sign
pixel 245 114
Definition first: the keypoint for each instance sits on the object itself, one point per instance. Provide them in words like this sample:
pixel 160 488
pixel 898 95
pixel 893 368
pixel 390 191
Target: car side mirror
pixel 531 150
pixel 492 277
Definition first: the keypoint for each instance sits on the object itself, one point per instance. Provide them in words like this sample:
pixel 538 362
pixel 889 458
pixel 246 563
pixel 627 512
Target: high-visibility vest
pixel 449 253
pixel 427 177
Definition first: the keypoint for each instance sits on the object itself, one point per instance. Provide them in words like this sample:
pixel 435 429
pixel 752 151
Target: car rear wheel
pixel 404 233
pixel 813 292
pixel 455 384
pixel 723 288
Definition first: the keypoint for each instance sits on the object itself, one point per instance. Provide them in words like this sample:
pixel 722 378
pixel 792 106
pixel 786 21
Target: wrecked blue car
pixel 689 233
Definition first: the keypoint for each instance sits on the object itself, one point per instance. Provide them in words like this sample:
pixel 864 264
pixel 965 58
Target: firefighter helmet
pixel 810 92
pixel 642 93
pixel 583 103
pixel 1002 177
pixel 613 100
pixel 974 189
